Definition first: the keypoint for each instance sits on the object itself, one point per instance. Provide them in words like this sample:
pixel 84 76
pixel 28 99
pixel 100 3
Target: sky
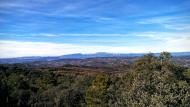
pixel 59 27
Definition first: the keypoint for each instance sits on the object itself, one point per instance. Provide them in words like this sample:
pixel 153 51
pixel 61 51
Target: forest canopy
pixel 153 81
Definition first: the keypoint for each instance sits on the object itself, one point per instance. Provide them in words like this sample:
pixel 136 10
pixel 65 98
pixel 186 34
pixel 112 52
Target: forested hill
pixel 149 81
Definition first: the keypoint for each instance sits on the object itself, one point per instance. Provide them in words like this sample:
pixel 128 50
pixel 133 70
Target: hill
pixel 82 56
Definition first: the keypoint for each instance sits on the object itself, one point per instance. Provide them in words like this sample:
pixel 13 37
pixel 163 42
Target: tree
pixel 165 57
pixel 97 93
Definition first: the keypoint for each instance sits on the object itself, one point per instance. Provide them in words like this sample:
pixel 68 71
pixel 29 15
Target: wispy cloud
pixel 163 35
pixel 169 22
pixel 12 4
pixel 66 35
pixel 160 36
pixel 149 34
pixel 50 8
pixel 16 4
pixel 44 35
pixel 177 26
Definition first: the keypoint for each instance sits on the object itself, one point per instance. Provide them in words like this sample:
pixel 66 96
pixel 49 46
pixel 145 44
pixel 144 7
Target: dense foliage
pixel 150 81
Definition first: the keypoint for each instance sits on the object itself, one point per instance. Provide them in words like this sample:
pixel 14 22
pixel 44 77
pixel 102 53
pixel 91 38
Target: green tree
pixel 97 93
pixel 165 57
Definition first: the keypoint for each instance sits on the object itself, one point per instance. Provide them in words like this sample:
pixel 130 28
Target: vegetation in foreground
pixel 150 81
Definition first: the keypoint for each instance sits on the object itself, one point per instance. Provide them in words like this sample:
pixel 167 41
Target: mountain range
pixel 80 56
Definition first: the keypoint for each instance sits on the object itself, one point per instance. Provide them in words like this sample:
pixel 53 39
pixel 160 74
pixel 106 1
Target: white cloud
pixel 179 44
pixel 20 48
pixel 177 41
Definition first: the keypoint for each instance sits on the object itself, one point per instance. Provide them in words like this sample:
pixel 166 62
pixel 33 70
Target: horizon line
pixel 143 53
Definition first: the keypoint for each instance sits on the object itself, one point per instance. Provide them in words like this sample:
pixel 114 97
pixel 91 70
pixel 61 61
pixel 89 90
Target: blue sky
pixel 58 27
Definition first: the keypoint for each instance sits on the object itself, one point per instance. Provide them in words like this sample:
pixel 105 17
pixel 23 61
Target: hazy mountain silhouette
pixel 80 56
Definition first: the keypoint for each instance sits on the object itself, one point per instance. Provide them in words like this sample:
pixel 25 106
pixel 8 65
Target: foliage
pixel 150 81
pixel 97 93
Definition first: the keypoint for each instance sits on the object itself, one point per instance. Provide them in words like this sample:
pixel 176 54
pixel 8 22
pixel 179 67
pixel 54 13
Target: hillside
pixel 98 82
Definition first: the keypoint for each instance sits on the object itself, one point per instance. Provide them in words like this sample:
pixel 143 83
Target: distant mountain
pixel 80 56
pixel 99 54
